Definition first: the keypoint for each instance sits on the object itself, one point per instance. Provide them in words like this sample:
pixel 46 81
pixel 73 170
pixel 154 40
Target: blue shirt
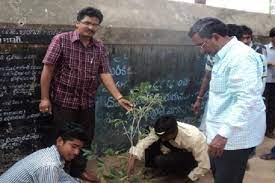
pixel 43 166
pixel 236 109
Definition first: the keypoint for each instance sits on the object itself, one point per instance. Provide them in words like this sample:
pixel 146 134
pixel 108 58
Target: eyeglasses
pixel 203 44
pixel 89 24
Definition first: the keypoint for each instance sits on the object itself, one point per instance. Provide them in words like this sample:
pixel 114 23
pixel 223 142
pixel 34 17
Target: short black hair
pixel 272 32
pixel 246 30
pixel 205 27
pixel 234 30
pixel 165 125
pixel 73 131
pixel 90 12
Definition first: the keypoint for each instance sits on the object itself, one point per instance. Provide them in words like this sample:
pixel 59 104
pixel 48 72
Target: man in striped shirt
pixel 46 165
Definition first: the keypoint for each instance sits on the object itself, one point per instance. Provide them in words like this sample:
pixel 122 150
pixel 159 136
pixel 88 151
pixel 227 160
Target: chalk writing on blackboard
pixel 13 142
pixel 26 31
pixel 12 115
pixel 13 57
pixel 7 40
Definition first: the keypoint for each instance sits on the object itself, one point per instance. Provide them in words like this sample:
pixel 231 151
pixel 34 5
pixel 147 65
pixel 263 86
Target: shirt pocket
pixel 90 57
pixel 218 84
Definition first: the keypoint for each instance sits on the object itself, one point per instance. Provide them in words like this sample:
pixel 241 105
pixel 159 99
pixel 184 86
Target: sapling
pixel 145 97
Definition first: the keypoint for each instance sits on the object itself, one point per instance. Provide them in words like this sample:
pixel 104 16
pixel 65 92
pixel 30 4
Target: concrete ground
pixel 260 171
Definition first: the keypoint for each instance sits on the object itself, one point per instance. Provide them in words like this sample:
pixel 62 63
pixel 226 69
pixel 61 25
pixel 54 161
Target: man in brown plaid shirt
pixel 73 65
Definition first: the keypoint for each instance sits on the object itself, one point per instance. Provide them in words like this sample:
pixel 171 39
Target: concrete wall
pixel 139 14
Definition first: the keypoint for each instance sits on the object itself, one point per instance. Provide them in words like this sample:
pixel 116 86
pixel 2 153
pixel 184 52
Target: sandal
pixel 268 156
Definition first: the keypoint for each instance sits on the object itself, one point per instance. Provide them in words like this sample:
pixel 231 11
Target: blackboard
pixel 23 128
pixel 28 36
pixel 175 69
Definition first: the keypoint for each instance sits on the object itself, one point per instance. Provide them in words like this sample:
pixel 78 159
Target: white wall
pixel 261 6
pixel 246 5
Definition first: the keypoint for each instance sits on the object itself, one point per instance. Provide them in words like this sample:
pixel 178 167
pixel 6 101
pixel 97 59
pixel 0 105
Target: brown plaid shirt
pixel 77 69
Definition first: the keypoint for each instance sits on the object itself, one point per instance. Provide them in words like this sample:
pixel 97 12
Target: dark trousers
pixel 230 167
pixel 84 117
pixel 177 161
pixel 269 95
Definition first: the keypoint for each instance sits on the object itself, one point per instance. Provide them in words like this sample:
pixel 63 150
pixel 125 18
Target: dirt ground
pixel 260 171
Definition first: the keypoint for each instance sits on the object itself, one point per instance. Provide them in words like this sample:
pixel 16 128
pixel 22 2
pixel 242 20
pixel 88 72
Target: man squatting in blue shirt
pixel 46 165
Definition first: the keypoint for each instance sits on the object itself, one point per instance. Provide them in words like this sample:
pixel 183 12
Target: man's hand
pixel 217 145
pixel 88 176
pixel 131 164
pixel 196 107
pixel 126 104
pixel 45 106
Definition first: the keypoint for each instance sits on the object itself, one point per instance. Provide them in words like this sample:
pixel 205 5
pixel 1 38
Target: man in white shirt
pixel 173 147
pixel 235 120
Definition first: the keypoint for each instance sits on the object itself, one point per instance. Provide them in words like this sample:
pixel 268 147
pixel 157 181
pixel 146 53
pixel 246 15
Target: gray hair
pixel 205 27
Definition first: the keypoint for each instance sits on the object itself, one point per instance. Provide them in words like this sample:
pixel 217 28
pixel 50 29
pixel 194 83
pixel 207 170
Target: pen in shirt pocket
pixel 92 56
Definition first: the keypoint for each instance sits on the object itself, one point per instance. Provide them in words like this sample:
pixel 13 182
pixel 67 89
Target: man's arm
pixel 137 152
pixel 51 58
pixel 47 174
pixel 45 81
pixel 53 174
pixel 109 83
pixel 204 87
pixel 200 153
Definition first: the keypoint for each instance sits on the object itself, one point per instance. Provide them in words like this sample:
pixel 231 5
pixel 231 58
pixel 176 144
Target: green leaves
pixel 146 98
pixel 117 122
pixel 142 93
pixel 90 153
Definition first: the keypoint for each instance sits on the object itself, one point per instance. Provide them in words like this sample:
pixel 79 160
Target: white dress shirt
pixel 235 108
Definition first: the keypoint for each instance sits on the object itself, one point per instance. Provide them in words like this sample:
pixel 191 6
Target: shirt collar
pixel 57 156
pixel 76 37
pixel 178 138
pixel 223 51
